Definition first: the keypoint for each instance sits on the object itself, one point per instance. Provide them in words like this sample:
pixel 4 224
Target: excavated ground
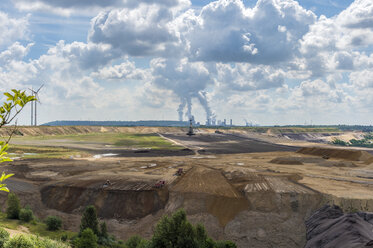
pixel 259 199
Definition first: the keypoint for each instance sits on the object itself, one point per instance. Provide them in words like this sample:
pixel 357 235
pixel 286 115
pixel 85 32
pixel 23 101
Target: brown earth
pixel 352 155
pixel 259 199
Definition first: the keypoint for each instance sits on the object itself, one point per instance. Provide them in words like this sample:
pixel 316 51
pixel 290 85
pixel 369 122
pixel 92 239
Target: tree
pixel 26 215
pixel 54 223
pixel 14 206
pixel 176 231
pixel 15 102
pixel 136 242
pixel 87 239
pixel 103 230
pixel 89 220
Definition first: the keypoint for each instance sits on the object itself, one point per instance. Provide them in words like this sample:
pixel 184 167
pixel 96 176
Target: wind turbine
pixel 34 108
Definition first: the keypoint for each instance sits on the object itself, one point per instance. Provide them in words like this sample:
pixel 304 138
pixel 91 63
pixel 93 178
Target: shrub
pixel 54 223
pixel 20 241
pixel 4 237
pixel 14 207
pixel 87 239
pixel 225 244
pixel 26 215
pixel 89 220
pixel 31 241
pixel 136 242
pixel 103 230
pixel 64 237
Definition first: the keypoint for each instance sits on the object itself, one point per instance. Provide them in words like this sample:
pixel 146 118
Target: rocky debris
pixel 329 227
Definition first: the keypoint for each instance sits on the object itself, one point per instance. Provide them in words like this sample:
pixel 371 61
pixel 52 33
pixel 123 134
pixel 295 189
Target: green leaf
pixel 4 189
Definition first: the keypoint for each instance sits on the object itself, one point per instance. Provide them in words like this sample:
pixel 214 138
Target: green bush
pixel 136 242
pixel 103 230
pixel 176 231
pixel 87 239
pixel 89 220
pixel 20 241
pixel 225 244
pixel 54 223
pixel 14 207
pixel 64 237
pixel 31 241
pixel 4 237
pixel 26 215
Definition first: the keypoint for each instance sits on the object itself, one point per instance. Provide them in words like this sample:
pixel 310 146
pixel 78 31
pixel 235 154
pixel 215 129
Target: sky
pixel 266 62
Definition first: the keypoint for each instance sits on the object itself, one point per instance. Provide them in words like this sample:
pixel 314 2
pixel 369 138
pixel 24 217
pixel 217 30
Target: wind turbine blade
pixel 40 88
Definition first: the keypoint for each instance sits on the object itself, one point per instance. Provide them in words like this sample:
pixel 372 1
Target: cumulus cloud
pixel 227 31
pixel 143 31
pixel 362 79
pixel 12 29
pixel 85 55
pixel 334 43
pixel 123 71
pixel 15 52
pixel 245 77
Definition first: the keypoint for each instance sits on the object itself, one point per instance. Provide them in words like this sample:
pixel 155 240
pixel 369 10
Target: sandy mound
pixel 286 160
pixel 347 164
pixel 352 155
pixel 316 160
pixel 208 181
pixel 70 130
pixel 330 227
pixel 296 160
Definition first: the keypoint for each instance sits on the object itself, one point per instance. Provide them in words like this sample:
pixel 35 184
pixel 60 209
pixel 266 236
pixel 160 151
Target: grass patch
pixel 127 140
pixel 35 227
pixel 41 152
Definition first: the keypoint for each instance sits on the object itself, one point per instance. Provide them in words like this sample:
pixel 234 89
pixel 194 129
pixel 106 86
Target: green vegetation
pixel 14 206
pixel 15 102
pixel 54 223
pixel 176 231
pixel 35 227
pixel 87 239
pixel 31 241
pixel 89 220
pixel 34 152
pixel 44 146
pixel 26 215
pixel 367 141
pixel 4 237
pixel 172 232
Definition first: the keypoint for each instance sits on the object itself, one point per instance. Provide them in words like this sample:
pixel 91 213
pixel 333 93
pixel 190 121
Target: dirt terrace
pixel 257 198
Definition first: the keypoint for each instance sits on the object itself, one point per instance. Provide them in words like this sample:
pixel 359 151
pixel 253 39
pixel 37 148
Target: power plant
pixel 214 122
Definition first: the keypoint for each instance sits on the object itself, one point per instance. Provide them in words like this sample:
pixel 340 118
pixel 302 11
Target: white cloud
pixel 12 29
pixel 245 77
pixel 15 52
pixel 123 71
pixel 226 31
pixel 362 79
pixel 143 31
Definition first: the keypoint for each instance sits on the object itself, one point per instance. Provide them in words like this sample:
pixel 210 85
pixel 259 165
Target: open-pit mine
pixel 256 189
